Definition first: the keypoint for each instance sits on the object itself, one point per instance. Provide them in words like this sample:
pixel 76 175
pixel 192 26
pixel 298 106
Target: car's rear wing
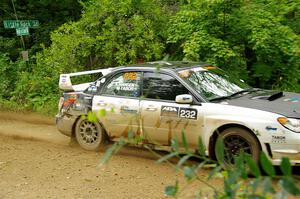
pixel 65 82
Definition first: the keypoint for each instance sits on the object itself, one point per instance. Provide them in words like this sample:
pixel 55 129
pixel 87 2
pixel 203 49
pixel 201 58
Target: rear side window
pixel 125 84
pixel 162 86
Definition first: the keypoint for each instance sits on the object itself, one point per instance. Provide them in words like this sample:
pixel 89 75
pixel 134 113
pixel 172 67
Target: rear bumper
pixel 65 124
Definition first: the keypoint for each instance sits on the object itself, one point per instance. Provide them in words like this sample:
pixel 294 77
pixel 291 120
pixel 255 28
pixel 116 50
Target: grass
pixel 48 109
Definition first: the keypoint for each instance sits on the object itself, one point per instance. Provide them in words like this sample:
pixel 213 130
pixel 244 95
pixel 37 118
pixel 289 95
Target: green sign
pixel 21 23
pixel 22 31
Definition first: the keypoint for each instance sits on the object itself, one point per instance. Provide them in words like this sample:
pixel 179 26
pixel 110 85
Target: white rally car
pixel 160 100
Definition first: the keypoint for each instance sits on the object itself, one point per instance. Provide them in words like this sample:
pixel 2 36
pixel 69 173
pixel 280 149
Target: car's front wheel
pixel 89 135
pixel 236 141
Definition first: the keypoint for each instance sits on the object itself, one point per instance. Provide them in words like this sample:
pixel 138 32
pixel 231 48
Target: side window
pixel 162 86
pixel 124 84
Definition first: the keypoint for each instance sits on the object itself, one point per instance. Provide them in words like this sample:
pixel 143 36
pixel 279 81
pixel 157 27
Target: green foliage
pixel 102 112
pixel 201 147
pixel 8 76
pixel 123 32
pixel 25 90
pixel 255 37
pixel 285 167
pixel 267 165
pixel 111 151
pixel 31 85
pixel 289 185
pixel 50 13
pixel 172 190
pixel 167 157
pixel 184 141
pixel 256 40
pixel 254 169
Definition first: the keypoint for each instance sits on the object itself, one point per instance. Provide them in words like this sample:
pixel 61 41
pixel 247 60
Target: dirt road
pixel 36 161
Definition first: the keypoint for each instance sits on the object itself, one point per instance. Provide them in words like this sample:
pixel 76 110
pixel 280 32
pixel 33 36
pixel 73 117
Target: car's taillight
pixel 71 100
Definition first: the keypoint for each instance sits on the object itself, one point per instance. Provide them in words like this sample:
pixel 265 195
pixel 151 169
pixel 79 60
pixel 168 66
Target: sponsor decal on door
pixel 173 111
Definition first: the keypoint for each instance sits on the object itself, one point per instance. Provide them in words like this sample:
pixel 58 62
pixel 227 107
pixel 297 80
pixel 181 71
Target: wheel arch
pixel 214 136
pixel 74 126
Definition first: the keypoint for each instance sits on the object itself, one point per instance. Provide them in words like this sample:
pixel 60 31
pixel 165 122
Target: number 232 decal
pixel 188 113
pixel 173 111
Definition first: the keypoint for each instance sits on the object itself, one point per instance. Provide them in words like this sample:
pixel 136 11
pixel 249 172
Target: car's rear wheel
pixel 236 141
pixel 89 135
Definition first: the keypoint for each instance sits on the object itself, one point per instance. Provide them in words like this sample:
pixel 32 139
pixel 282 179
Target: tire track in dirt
pixel 27 117
pixel 35 127
pixel 31 131
pixel 36 161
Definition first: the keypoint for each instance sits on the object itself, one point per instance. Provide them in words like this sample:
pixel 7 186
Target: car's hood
pixel 284 103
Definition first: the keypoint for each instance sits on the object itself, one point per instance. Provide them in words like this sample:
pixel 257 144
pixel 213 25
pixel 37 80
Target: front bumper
pixel 65 124
pixel 287 145
pixel 291 151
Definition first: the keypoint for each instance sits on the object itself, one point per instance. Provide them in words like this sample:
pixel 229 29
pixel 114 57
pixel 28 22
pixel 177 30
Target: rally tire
pixel 235 140
pixel 90 135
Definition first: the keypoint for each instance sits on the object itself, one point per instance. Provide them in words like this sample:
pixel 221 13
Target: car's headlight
pixel 290 123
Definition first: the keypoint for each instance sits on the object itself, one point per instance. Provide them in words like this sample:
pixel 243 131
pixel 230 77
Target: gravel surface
pixel 36 161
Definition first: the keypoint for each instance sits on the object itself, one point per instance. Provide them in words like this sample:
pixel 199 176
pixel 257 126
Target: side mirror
pixel 92 88
pixel 98 82
pixel 184 99
pixel 102 80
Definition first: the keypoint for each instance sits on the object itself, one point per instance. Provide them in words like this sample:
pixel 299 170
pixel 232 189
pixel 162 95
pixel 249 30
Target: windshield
pixel 212 83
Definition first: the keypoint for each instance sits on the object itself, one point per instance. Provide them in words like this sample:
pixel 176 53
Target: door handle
pixel 87 99
pixel 125 108
pixel 101 103
pixel 151 109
